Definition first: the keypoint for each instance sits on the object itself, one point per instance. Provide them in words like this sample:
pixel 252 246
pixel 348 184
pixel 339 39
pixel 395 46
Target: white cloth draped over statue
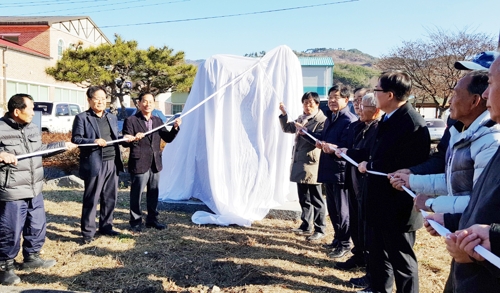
pixel 231 152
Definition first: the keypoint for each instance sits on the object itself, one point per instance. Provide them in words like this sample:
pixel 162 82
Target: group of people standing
pixel 457 183
pixel 22 212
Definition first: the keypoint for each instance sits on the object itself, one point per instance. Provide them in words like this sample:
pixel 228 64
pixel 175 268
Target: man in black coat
pixel 145 163
pixel 99 165
pixel 331 170
pixel 402 141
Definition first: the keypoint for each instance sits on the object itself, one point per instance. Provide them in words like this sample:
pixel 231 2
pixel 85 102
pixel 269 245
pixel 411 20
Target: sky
pixel 202 28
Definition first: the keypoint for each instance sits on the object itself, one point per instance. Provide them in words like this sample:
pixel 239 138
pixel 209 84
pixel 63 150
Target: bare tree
pixel 430 62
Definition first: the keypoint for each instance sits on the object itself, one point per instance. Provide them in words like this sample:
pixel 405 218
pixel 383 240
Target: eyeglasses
pixel 99 100
pixel 365 106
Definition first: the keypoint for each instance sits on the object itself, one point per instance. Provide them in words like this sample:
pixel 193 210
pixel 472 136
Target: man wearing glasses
pixel 402 141
pixel 99 165
pixel 331 171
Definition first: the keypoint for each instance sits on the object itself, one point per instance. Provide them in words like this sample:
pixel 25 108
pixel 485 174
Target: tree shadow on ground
pixel 187 258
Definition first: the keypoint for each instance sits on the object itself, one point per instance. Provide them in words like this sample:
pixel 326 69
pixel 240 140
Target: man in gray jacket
pixel 21 200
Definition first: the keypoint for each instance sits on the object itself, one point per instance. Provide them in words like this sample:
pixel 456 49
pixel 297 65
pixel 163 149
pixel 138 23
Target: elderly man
pixel 144 164
pixel 402 140
pixel 483 207
pixel 332 170
pixel 351 181
pixel 470 149
pixel 99 165
pixel 366 131
pixel 21 200
pixel 436 162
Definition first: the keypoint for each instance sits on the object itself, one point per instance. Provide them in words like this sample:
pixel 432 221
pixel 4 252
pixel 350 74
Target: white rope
pixel 441 230
pixel 236 79
pixel 39 153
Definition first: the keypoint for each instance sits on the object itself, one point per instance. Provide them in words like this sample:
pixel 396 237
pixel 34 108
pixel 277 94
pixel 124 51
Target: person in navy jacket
pixel 332 170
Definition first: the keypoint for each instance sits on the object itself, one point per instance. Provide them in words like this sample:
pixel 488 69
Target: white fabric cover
pixel 231 153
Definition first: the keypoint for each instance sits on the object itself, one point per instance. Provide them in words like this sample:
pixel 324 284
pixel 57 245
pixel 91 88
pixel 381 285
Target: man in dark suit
pixel 331 170
pixel 402 141
pixel 99 165
pixel 145 162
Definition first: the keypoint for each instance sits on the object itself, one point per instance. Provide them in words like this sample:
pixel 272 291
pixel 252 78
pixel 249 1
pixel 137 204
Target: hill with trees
pixel 352 67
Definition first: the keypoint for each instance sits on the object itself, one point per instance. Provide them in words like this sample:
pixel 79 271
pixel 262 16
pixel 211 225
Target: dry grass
pixel 191 258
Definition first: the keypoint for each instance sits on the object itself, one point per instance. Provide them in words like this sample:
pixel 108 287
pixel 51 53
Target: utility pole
pixel 498 46
pixel 4 87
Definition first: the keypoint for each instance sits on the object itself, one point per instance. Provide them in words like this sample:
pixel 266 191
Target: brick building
pixel 28 45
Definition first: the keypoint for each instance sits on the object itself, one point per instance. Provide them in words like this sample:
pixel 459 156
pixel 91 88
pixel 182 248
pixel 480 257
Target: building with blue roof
pixel 317 74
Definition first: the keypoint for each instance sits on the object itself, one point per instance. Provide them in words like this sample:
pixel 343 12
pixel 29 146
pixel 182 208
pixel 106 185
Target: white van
pixel 57 116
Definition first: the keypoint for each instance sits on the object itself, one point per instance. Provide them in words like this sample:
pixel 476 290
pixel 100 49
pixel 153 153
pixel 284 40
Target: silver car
pixel 436 128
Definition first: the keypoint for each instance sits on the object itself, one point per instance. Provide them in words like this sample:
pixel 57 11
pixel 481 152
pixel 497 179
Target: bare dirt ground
pixel 191 258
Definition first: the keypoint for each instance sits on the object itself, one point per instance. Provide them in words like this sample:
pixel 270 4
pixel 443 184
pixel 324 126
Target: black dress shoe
pixel 299 231
pixel 110 233
pixel 332 245
pixel 87 240
pixel 339 252
pixel 316 236
pixel 136 228
pixel 157 225
pixel 361 282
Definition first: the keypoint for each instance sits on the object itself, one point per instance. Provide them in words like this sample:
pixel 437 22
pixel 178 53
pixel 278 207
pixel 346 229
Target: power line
pixel 230 15
pixel 129 7
pixel 43 3
pixel 79 8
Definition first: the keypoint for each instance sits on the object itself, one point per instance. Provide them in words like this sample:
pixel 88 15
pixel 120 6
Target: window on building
pixel 14 38
pixel 176 109
pixel 67 95
pixel 60 49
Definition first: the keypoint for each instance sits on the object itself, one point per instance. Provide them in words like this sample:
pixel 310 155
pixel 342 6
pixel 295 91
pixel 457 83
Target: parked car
pixel 122 115
pixel 175 116
pixel 57 116
pixel 436 128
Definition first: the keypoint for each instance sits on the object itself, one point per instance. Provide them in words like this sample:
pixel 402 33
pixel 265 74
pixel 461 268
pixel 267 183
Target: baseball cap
pixel 481 61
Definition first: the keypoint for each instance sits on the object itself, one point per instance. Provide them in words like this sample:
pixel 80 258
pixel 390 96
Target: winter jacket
pixel 468 153
pixel 483 208
pixel 305 155
pixel 436 162
pixel 24 180
pixel 331 168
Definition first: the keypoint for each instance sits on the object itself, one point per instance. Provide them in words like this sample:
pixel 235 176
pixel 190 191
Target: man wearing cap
pixel 470 149
pixel 481 61
pixel 436 162
pixel 469 275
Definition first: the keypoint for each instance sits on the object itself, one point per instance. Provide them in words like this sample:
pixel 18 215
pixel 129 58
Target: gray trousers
pixel 102 189
pixel 138 182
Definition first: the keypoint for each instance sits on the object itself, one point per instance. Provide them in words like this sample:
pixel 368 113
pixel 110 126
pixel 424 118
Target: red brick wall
pixel 35 38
